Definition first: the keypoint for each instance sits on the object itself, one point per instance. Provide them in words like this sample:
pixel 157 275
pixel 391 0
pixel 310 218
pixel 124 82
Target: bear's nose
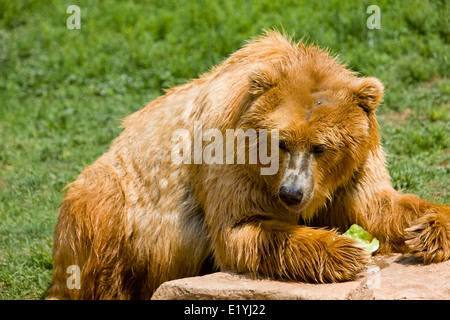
pixel 291 195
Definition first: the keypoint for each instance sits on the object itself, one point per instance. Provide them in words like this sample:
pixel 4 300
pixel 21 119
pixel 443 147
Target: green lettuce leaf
pixel 360 235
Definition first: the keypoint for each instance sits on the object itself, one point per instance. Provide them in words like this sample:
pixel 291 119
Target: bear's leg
pixel 406 223
pixel 90 240
pixel 280 250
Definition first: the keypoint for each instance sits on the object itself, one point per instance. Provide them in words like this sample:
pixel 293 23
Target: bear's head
pixel 325 117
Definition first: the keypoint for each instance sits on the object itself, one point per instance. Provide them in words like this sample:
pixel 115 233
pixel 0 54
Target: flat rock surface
pixel 388 277
pixel 407 278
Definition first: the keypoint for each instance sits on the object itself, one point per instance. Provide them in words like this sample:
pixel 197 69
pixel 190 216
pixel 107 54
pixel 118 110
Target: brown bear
pixel 137 218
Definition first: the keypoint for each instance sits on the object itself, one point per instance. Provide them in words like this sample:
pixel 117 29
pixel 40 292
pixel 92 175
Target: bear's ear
pixel 261 78
pixel 368 93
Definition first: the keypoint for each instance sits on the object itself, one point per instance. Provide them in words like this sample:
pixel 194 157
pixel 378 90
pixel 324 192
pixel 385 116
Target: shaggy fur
pixel 134 219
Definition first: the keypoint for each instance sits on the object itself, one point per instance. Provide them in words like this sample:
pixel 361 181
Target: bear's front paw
pixel 429 236
pixel 345 259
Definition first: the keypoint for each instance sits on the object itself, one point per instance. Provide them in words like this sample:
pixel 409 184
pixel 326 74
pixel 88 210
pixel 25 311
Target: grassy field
pixel 63 92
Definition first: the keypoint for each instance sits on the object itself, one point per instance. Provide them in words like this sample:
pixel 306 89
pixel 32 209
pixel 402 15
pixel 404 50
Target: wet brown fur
pixel 134 219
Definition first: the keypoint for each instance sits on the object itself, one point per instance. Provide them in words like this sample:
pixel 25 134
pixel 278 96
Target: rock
pixel 388 277
pixel 232 286
pixel 407 278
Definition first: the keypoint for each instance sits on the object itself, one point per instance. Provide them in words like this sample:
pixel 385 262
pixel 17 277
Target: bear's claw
pixel 428 238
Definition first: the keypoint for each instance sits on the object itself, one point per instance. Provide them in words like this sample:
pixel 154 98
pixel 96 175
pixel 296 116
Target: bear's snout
pixel 291 195
pixel 297 183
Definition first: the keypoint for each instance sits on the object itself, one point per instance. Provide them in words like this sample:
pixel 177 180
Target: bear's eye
pixel 318 149
pixel 283 146
pixel 320 101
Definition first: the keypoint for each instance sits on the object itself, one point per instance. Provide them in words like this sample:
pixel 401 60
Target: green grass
pixel 63 92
